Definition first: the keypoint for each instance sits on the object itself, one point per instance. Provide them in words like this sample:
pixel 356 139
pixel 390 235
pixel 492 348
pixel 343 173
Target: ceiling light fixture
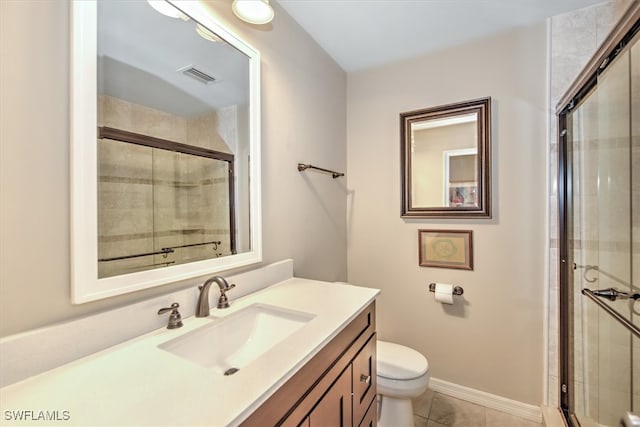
pixel 167 9
pixel 206 34
pixel 253 11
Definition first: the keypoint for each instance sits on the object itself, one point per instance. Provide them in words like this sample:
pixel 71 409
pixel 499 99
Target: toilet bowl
pixel 402 374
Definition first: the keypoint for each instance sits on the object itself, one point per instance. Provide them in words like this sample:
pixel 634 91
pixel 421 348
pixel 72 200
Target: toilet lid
pixel 398 362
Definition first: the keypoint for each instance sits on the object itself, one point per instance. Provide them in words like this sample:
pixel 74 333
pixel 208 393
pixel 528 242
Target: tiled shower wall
pixel 175 199
pixel 574 38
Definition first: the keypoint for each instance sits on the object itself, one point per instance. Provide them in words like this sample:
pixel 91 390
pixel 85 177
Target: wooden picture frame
pixel 445 249
pixel 426 136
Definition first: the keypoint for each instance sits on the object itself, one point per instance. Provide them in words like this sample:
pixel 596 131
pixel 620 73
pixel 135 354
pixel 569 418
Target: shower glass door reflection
pixel 604 245
pixel 160 207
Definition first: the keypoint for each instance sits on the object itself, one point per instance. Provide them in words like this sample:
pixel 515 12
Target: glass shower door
pixel 603 228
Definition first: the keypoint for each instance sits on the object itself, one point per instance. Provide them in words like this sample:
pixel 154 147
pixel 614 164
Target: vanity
pixel 343 395
pixel 305 376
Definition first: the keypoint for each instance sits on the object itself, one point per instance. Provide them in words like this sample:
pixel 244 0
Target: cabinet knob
pixel 365 378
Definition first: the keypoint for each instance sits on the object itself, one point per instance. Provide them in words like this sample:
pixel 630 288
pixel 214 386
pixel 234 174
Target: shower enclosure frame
pixel 627 28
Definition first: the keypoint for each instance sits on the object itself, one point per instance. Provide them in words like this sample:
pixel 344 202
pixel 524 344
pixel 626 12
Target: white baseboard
pixel 499 403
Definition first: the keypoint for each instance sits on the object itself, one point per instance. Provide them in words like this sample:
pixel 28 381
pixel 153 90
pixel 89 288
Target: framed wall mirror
pixel 165 147
pixel 446 161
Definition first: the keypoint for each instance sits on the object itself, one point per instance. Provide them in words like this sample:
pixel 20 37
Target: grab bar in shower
pixel 302 167
pixel 614 313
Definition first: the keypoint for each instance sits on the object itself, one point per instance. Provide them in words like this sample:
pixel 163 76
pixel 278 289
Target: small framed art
pixel 446 249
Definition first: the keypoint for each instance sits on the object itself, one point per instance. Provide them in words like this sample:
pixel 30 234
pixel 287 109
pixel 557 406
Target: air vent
pixel 198 75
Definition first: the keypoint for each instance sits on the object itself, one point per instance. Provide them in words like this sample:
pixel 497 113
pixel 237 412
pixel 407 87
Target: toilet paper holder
pixel 457 290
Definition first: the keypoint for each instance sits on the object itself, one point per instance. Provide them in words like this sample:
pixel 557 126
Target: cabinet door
pixel 364 379
pixel 371 417
pixel 334 409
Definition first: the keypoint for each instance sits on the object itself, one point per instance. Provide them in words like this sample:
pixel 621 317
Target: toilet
pixel 402 374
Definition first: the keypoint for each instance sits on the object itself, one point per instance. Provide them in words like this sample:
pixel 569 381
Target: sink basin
pixel 232 342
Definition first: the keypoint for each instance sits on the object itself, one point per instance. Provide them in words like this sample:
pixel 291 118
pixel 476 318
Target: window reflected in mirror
pixel 460 177
pixel 446 160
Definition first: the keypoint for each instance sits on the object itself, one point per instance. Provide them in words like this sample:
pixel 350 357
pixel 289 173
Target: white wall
pixel 492 338
pixel 303 119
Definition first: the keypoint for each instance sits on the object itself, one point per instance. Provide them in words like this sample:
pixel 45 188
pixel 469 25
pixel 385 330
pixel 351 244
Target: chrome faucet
pixel 202 309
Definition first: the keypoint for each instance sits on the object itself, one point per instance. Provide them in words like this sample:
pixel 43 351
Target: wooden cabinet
pixel 350 397
pixel 334 409
pixel 371 417
pixel 335 388
pixel 364 379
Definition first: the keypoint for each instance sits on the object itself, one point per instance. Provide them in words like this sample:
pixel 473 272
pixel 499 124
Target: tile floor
pixel 433 409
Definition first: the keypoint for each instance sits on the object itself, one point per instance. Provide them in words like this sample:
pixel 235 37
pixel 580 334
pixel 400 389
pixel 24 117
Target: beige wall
pixel 492 338
pixel 303 119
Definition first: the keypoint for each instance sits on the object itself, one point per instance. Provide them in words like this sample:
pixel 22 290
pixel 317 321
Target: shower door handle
pixel 613 312
pixel 630 420
pixel 613 294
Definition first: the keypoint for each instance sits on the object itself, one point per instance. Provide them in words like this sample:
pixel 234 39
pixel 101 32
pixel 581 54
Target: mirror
pixel 446 161
pixel 165 147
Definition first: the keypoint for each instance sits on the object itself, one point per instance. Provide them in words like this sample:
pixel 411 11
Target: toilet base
pixel 394 412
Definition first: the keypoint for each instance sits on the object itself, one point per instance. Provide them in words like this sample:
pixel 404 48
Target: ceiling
pixel 361 34
pixel 142 55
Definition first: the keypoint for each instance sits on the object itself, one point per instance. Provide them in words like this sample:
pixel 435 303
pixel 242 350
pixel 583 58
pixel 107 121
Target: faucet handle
pixel 223 301
pixel 175 320
pixel 174 306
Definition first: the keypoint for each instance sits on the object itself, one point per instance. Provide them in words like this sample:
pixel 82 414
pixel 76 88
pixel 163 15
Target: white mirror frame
pixel 85 284
pixel 446 159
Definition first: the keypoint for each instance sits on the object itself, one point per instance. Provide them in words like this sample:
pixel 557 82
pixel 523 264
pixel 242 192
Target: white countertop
pixel 136 383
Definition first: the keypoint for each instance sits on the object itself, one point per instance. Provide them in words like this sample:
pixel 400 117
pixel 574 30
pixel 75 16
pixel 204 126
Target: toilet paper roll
pixel 444 293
